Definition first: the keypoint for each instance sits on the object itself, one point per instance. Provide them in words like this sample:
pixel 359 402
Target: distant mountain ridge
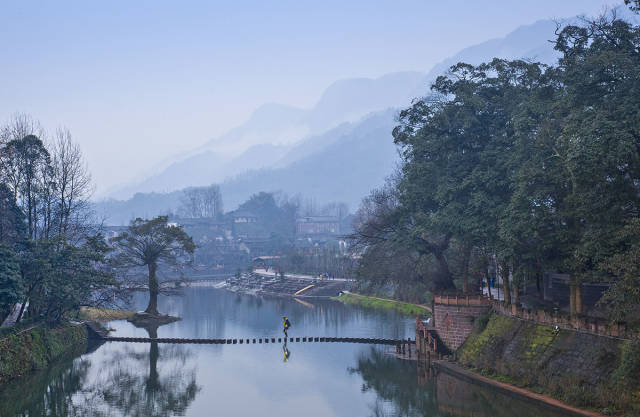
pixel 342 146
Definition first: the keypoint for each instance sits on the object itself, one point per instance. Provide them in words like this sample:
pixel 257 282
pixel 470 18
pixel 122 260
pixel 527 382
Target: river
pixel 324 379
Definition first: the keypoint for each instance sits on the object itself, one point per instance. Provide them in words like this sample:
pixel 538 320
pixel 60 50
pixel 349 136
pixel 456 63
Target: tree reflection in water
pixel 405 388
pixel 130 382
pixel 394 382
pixel 46 393
pixel 127 390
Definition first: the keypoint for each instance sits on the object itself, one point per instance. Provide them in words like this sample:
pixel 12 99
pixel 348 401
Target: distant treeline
pixel 526 166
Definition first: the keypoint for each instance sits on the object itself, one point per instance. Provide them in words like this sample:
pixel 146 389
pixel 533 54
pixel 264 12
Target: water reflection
pixel 45 393
pixel 432 393
pixel 125 389
pixel 324 379
pixel 285 351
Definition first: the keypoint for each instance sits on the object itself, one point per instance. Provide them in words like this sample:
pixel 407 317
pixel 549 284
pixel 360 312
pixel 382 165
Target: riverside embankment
pixel 33 347
pixel 585 370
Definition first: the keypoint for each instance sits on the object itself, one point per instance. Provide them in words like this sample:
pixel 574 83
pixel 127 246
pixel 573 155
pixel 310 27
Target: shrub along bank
pixel 36 347
pixel 581 369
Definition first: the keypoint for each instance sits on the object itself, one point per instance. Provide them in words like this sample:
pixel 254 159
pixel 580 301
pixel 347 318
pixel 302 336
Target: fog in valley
pixel 388 208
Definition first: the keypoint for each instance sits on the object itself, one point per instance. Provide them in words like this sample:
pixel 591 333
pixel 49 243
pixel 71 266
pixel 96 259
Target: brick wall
pixel 454 323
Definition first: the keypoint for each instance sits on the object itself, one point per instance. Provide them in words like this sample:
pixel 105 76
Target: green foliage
pixel 536 166
pixel 150 243
pixel 60 277
pixel 35 348
pixel 629 367
pixel 583 370
pixel 12 227
pixel 623 298
pixel 11 285
pixel 480 323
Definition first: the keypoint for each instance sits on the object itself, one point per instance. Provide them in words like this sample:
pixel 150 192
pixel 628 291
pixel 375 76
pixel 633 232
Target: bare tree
pixel 212 201
pixel 202 202
pixel 19 126
pixel 72 182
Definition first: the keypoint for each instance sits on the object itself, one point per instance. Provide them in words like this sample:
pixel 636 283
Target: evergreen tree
pixel 150 243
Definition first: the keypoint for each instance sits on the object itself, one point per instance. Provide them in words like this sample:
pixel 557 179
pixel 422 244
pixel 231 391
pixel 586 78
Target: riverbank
pixel 512 390
pixel 103 314
pixel 583 370
pixel 407 309
pixel 289 286
pixel 37 346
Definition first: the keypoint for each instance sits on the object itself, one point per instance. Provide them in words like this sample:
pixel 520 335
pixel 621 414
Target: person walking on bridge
pixel 285 326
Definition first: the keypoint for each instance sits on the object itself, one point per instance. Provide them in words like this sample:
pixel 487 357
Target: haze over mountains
pixel 336 151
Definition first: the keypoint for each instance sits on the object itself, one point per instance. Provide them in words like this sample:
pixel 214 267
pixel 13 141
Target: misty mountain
pixel 338 171
pixel 345 170
pixel 327 163
pixel 532 42
pixel 272 128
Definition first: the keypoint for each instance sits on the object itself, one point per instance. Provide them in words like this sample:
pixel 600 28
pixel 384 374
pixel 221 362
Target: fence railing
pixel 461 300
pixel 585 324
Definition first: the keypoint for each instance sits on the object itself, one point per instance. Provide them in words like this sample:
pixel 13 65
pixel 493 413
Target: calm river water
pixel 324 379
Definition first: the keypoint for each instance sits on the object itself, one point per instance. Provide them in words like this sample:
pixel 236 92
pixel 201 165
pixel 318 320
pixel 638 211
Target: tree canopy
pixel 517 163
pixel 150 243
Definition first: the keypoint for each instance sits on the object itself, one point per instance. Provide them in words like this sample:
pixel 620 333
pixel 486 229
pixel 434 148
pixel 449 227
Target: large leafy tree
pixel 12 227
pixel 59 277
pixel 596 144
pixel 623 299
pixel 534 166
pixel 150 243
pixel 11 285
pixel 23 161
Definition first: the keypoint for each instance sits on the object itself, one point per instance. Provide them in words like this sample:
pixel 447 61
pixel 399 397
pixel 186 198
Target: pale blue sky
pixel 137 81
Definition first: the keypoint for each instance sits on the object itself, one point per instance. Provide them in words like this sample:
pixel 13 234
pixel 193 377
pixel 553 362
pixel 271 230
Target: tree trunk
pixel 572 299
pixel 504 272
pixel 152 308
pixel 443 280
pixel 579 298
pixel 465 270
pixel 516 294
pixel 22 307
pixel 154 353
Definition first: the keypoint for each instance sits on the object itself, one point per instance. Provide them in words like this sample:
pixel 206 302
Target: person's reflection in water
pixel 286 352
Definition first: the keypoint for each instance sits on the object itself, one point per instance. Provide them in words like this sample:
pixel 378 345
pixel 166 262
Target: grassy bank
pixel 408 309
pixel 583 370
pixel 35 348
pixel 103 314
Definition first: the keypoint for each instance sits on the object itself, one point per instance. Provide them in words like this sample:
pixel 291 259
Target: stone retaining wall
pixel 454 317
